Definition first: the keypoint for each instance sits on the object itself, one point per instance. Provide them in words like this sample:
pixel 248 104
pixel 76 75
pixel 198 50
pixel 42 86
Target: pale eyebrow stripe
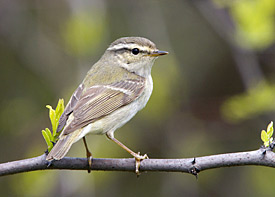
pixel 129 46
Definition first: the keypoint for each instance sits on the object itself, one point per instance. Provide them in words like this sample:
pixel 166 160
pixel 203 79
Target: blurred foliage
pixel 254 21
pixel 256 101
pixel 51 137
pixel 83 33
pixel 159 104
pixel 34 184
pixel 261 181
pixel 11 112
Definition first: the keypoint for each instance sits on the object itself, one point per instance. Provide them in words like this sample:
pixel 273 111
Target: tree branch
pixel 261 157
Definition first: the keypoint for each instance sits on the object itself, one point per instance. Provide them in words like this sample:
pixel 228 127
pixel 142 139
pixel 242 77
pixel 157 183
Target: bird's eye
pixel 135 51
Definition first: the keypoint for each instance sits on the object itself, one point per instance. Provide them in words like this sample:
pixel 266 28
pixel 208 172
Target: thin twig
pixel 261 157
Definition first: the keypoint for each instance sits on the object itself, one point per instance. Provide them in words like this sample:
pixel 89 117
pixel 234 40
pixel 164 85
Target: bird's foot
pixel 89 159
pixel 138 159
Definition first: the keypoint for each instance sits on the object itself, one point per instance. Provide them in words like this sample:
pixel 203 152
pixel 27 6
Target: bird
pixel 116 87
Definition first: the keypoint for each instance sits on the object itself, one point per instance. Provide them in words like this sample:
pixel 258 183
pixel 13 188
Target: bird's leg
pixel 88 154
pixel 137 156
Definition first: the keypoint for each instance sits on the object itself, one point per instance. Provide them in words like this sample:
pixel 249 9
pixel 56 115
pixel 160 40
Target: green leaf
pixel 47 138
pixel 54 127
pixel 264 136
pixel 270 129
pixel 59 108
pixel 49 134
pixel 54 115
pixel 58 112
pixel 51 112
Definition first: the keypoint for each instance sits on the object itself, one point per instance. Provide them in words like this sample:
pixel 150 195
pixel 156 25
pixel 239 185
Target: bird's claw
pixel 90 158
pixel 138 159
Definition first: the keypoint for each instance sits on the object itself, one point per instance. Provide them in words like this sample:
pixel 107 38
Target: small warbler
pixel 113 91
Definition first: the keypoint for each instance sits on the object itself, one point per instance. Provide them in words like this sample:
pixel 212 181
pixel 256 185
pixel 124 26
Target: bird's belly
pixel 115 120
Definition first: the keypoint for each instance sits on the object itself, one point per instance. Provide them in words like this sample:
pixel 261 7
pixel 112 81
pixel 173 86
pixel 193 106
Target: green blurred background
pixel 213 93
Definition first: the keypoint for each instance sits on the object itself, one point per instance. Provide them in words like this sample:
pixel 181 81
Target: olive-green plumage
pixel 113 91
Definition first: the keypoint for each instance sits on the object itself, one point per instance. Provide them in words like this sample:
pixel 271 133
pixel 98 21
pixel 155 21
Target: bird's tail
pixel 62 146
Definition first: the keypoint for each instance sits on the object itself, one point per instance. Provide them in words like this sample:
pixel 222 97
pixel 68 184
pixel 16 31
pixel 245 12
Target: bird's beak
pixel 158 53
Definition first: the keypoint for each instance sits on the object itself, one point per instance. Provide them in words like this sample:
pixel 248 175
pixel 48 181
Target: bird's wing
pixel 101 100
pixel 70 107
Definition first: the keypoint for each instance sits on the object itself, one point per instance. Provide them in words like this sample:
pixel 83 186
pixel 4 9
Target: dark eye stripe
pixel 130 49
